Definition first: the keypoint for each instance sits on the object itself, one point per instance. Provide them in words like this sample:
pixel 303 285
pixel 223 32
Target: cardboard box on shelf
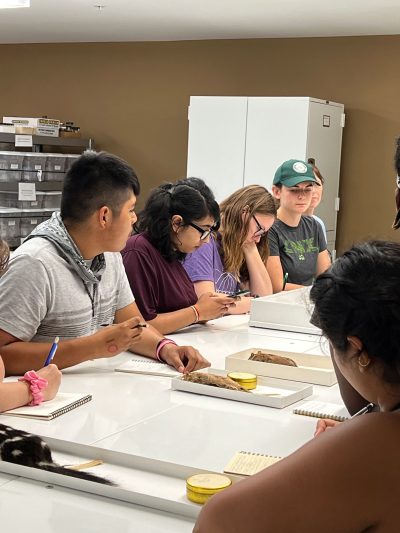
pixel 7 128
pixel 24 130
pixel 21 121
pixel 31 122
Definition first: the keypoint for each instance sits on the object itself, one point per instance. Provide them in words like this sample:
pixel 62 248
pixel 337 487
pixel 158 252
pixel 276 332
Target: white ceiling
pixel 171 20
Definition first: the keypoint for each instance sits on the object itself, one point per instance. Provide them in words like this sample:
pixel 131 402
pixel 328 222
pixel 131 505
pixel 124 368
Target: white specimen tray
pixel 270 392
pixel 287 311
pixel 141 481
pixel 316 369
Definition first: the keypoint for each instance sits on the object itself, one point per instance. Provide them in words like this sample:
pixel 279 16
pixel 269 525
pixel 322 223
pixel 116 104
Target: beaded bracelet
pixel 160 346
pixel 196 313
pixel 36 385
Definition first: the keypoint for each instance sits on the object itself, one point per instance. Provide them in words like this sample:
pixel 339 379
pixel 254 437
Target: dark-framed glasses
pixel 260 229
pixel 204 233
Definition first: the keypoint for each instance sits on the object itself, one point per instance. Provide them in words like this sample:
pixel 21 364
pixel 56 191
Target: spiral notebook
pixel 331 411
pixel 146 366
pixel 248 463
pixel 62 403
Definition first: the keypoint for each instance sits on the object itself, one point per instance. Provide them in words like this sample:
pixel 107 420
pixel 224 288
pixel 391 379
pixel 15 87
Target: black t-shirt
pixel 298 248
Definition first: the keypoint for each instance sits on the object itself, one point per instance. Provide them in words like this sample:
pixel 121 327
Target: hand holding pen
pixel 326 423
pixel 113 339
pixel 52 351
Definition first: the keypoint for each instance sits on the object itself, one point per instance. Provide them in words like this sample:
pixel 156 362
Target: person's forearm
pixel 148 342
pixel 259 280
pixel 19 357
pixel 169 322
pixel 242 306
pixel 292 286
pixel 15 394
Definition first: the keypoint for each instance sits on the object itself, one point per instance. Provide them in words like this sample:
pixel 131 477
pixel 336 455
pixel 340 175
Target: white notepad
pixel 62 403
pixel 143 366
pixel 248 463
pixel 332 411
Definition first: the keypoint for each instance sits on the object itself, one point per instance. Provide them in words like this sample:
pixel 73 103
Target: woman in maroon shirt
pixel 177 219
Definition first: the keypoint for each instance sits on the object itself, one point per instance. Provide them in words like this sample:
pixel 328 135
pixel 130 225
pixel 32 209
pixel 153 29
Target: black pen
pixel 367 409
pixel 137 325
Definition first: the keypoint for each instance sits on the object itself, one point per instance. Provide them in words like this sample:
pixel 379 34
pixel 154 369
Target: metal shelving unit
pixel 40 141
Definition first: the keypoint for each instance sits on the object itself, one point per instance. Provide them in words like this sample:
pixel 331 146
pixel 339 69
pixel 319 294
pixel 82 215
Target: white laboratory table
pixel 141 415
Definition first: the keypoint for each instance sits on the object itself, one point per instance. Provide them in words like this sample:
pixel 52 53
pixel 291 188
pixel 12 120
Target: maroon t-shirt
pixel 158 286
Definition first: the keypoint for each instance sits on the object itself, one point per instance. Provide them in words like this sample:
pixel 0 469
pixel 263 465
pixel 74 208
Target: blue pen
pixel 52 351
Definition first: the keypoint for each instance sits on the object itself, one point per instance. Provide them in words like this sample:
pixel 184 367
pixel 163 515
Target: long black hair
pixel 190 198
pixel 359 295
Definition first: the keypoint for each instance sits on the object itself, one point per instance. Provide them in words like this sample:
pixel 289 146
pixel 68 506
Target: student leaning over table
pixel 45 382
pixel 178 218
pixel 352 399
pixel 346 479
pixel 297 243
pixel 236 258
pixel 67 279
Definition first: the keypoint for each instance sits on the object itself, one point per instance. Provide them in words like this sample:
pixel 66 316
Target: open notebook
pixel 248 463
pixel 317 409
pixel 59 405
pixel 148 366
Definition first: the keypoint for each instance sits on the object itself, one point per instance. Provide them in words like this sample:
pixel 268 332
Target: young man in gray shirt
pixel 67 279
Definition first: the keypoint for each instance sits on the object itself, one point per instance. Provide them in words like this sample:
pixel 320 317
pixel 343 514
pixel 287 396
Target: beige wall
pixel 132 99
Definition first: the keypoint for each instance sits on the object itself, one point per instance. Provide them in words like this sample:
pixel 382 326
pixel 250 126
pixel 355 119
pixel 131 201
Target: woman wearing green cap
pixel 297 244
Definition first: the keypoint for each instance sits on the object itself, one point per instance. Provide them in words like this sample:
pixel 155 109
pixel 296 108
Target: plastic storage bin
pixel 10 199
pixel 55 163
pixel 53 176
pixel 10 175
pixel 10 226
pixel 70 159
pixel 51 199
pixel 28 224
pixel 11 160
pixel 34 161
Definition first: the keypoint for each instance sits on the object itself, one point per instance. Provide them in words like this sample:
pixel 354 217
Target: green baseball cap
pixel 293 172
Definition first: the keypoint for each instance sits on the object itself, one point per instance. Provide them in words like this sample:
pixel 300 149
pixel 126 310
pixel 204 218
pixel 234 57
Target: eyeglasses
pixel 260 231
pixel 204 233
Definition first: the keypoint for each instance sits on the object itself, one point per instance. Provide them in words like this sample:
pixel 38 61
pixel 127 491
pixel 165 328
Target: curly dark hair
pixel 359 295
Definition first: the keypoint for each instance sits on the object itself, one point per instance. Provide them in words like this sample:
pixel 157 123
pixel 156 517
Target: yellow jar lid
pixel 242 377
pixel 207 483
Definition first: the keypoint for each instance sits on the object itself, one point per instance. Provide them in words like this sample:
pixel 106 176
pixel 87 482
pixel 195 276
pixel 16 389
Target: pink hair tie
pixel 36 385
pixel 160 346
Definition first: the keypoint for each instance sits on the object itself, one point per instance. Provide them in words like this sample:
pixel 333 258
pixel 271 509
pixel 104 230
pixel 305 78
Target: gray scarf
pixel 54 231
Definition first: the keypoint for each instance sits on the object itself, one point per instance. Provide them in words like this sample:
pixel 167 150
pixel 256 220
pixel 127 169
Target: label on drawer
pixel 27 191
pixel 57 167
pixel 33 222
pixel 38 167
pixel 11 222
pixel 23 140
pixel 14 166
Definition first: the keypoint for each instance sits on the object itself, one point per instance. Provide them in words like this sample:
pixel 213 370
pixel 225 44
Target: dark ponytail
pixel 190 198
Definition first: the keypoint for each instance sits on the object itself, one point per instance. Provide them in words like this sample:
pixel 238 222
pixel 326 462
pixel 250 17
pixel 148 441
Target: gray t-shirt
pixel 298 248
pixel 43 297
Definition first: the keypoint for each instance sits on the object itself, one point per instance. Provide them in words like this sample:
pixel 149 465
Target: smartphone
pixel 238 294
